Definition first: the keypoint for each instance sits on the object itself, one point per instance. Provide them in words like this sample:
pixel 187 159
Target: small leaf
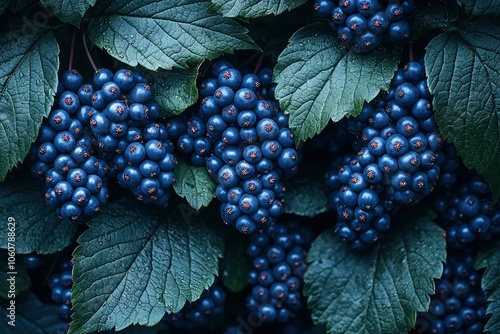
pixel 306 193
pixel 319 80
pixel 481 7
pixel 464 75
pixel 132 268
pixel 31 316
pixel 28 82
pixel 489 258
pixel 174 90
pixel 165 34
pixel 13 274
pixel 235 264
pixel 69 11
pixel 254 8
pixel 37 227
pixel 380 290
pixel 194 184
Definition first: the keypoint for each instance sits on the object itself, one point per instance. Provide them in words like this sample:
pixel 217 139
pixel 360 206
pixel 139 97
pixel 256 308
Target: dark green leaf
pixel 489 258
pixel 69 11
pixel 380 290
pixel 164 34
pixel 28 81
pixel 132 268
pixel 174 90
pixel 37 226
pixel 319 80
pixel 254 8
pixel 4 4
pixel 430 16
pixel 306 193
pixel 481 7
pixel 13 275
pixel 464 75
pixel 235 264
pixel 32 316
pixel 194 184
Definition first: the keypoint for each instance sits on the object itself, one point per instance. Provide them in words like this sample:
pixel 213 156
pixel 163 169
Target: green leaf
pixel 69 11
pixel 319 80
pixel 13 274
pixel 380 290
pixel 235 264
pixel 464 75
pixel 489 258
pixel 131 269
pixel 481 7
pixel 174 90
pixel 194 184
pixel 28 81
pixel 37 227
pixel 254 8
pixel 306 193
pixel 32 316
pixel 165 34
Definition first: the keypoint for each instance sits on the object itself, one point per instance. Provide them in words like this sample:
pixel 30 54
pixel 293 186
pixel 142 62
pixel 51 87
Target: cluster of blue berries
pixel 198 314
pixel 459 304
pixel 398 159
pixel 61 284
pixel 96 131
pixel 466 212
pixel 365 24
pixel 243 139
pixel 278 265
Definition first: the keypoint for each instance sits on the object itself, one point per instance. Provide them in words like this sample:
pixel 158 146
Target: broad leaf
pixel 13 275
pixel 489 258
pixel 254 8
pixel 464 75
pixel 69 11
pixel 131 269
pixel 28 81
pixel 235 264
pixel 37 226
pixel 306 193
pixel 164 33
pixel 174 90
pixel 319 80
pixel 32 316
pixel 481 7
pixel 194 184
pixel 380 290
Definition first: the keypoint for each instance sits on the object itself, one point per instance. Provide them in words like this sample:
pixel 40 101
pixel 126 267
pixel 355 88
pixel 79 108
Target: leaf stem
pixel 88 53
pixel 72 50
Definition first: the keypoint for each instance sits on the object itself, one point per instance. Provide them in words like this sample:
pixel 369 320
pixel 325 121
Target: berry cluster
pixel 243 139
pixel 397 162
pixel 459 304
pixel 96 131
pixel 61 285
pixel 278 260
pixel 466 213
pixel 365 24
pixel 197 314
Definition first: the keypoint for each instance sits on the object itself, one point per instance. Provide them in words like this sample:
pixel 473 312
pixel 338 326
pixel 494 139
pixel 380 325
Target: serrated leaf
pixel 319 80
pixel 165 34
pixel 69 11
pixel 174 90
pixel 132 268
pixel 37 227
pixel 13 275
pixel 489 258
pixel 31 316
pixel 380 290
pixel 481 7
pixel 194 184
pixel 254 8
pixel 28 81
pixel 235 264
pixel 464 75
pixel 306 193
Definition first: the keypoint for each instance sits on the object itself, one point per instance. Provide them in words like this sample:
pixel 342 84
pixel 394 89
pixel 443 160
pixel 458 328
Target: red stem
pixel 410 50
pixel 88 53
pixel 259 62
pixel 72 51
